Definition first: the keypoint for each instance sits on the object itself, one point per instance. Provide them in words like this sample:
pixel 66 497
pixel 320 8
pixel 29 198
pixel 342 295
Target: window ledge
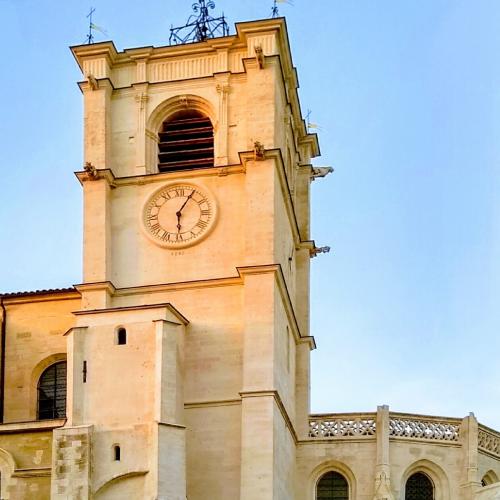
pixel 33 426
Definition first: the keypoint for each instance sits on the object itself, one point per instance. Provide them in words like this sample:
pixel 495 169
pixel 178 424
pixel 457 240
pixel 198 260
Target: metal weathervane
pixel 200 26
pixel 92 27
pixel 90 36
pixel 274 11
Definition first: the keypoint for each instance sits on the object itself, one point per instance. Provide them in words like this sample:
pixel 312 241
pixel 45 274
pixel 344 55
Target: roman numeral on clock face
pixel 156 228
pixel 202 224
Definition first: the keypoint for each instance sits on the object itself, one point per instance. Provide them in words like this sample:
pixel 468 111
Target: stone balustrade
pixel 402 425
pixel 340 426
pixel 489 441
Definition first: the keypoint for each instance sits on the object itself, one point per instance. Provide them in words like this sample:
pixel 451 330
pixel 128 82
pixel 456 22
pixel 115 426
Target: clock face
pixel 179 215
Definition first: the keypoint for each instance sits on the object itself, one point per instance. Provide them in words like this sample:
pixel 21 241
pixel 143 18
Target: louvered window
pixel 186 142
pixel 52 392
pixel 419 487
pixel 332 486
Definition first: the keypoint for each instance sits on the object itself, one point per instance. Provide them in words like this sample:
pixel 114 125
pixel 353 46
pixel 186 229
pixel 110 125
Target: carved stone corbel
pixel 383 487
pixel 93 82
pixel 259 152
pixel 259 56
pixel 91 171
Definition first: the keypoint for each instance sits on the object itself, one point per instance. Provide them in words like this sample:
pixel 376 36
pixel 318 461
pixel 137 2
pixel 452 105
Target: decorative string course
pixel 489 441
pixel 343 426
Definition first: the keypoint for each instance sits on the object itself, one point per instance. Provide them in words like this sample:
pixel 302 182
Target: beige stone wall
pixel 491 492
pixel 213 450
pixel 136 260
pixel 442 463
pixel 35 339
pixel 489 466
pixel 25 461
pixel 354 459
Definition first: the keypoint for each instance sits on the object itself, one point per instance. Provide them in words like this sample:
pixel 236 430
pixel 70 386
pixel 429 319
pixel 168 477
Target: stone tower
pixel 188 366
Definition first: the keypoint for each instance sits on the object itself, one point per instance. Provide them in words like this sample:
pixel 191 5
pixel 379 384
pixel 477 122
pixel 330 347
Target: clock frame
pixel 179 215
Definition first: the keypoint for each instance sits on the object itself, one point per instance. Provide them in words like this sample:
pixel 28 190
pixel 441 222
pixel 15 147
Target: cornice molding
pixel 279 403
pixel 165 305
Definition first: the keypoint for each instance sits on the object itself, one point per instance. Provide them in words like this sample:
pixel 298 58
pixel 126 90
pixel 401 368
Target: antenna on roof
pixel 92 27
pixel 274 11
pixel 200 26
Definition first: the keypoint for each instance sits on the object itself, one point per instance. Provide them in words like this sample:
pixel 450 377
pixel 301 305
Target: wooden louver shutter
pixel 186 143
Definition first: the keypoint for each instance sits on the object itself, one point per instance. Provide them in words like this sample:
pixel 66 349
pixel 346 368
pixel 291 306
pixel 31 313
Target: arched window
pixel 52 392
pixel 117 453
pixel 489 478
pixel 419 487
pixel 186 141
pixel 121 336
pixel 332 486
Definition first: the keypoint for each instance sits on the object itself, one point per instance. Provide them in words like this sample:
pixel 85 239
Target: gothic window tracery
pixel 52 392
pixel 419 487
pixel 332 486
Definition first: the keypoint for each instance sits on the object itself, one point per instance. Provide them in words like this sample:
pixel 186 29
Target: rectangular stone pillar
pixel 71 463
pixel 75 376
pixel 96 231
pixel 469 438
pixel 167 477
pixel 257 446
pixel 383 490
pixel 96 119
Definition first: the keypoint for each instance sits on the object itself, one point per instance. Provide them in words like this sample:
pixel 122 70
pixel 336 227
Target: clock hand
pixel 178 221
pixel 187 199
pixel 179 212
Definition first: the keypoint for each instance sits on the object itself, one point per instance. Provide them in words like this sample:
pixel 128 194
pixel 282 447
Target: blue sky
pixel 405 310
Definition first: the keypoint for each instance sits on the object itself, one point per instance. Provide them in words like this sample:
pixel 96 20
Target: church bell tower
pixel 188 367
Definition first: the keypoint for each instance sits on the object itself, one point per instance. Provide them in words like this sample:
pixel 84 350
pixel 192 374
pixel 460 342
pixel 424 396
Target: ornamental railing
pixel 488 441
pixel 343 426
pixel 339 426
pixel 422 427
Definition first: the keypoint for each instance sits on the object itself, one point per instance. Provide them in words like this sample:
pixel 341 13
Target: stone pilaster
pixel 469 439
pixel 141 99
pixel 383 490
pixel 223 90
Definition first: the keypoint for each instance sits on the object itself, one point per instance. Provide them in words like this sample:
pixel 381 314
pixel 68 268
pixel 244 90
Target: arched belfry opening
pixel 186 141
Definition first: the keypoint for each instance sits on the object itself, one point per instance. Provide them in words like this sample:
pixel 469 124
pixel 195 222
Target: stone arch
pixel 332 466
pixel 105 489
pixel 179 103
pixel 489 478
pixel 434 472
pixel 36 373
pixel 167 109
pixel 7 468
